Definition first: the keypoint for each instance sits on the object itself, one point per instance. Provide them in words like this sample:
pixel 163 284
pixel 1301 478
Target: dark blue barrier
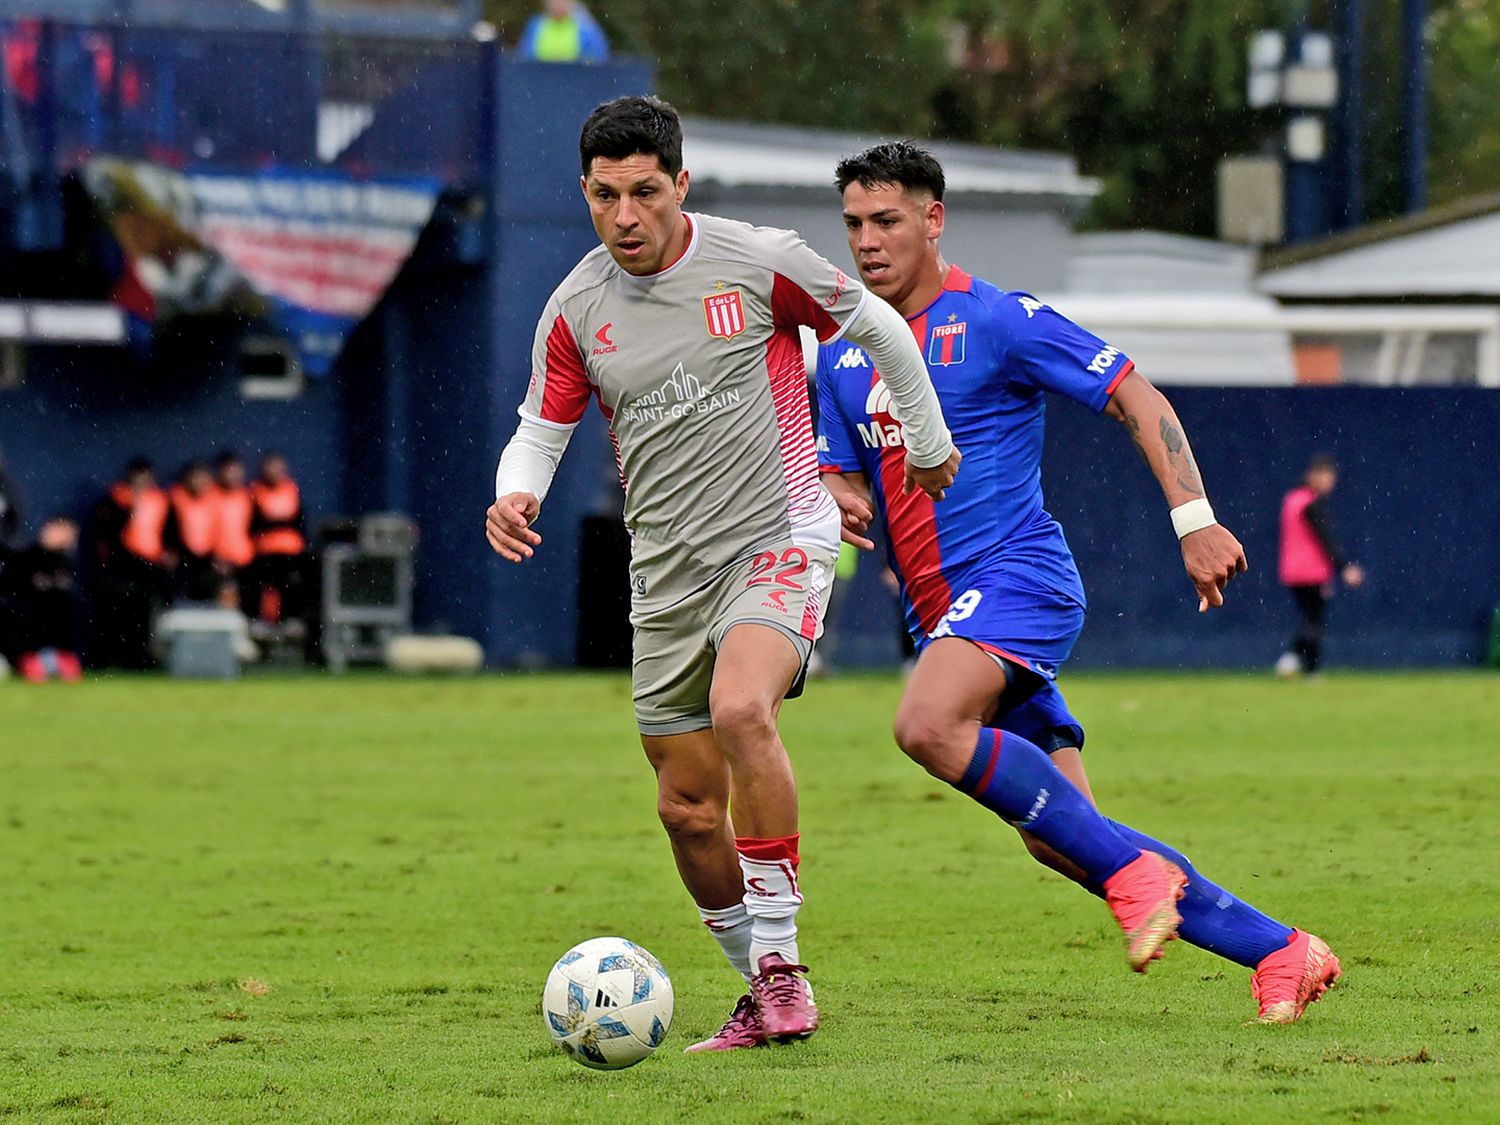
pixel 1417 503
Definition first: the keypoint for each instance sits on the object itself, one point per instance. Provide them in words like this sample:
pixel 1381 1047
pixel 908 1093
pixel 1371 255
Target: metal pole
pixel 1349 42
pixel 1414 103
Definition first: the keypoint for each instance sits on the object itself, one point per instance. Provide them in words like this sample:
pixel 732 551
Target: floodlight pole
pixel 1349 46
pixel 1414 103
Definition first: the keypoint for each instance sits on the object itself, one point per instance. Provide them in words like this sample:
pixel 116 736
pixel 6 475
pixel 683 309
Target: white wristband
pixel 1193 516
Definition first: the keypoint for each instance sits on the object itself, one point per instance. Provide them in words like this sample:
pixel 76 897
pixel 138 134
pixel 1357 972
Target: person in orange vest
pixel 1310 561
pixel 277 529
pixel 135 564
pixel 193 531
pixel 234 550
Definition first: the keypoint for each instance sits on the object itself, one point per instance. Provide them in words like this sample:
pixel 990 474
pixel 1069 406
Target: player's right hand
pixel 933 481
pixel 1212 556
pixel 507 525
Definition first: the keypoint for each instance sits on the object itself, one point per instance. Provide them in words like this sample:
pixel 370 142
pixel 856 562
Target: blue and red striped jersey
pixel 993 356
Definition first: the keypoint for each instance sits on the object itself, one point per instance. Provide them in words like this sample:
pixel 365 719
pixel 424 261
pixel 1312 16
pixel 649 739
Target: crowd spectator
pixel 563 31
pixel 135 566
pixel 211 538
pixel 12 519
pixel 234 550
pixel 1310 562
pixel 279 533
pixel 192 533
pixel 41 597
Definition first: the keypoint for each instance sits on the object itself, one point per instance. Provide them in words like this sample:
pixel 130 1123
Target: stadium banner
pixel 306 254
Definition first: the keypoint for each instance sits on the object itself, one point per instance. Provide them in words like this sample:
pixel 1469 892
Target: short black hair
pixel 631 125
pixel 228 457
pixel 908 165
pixel 137 465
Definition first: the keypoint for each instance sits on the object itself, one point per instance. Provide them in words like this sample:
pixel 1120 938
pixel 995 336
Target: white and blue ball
pixel 608 1003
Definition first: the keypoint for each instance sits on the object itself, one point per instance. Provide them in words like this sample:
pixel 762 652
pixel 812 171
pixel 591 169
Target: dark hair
pixel 902 163
pixel 631 125
pixel 139 465
pixel 228 457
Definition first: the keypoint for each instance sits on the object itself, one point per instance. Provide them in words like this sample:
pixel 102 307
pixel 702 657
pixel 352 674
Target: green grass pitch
pixel 336 900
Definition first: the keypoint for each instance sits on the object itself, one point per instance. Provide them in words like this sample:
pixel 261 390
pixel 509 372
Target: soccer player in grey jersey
pixel 685 328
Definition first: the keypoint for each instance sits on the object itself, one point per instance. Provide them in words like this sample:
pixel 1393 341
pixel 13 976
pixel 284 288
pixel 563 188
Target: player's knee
pixel 930 743
pixel 689 817
pixel 742 721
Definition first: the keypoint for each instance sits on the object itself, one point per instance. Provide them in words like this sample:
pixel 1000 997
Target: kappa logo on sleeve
pixel 852 357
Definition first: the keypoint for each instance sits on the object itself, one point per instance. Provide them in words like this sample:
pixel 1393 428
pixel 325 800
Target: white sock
pixel 771 898
pixel 731 929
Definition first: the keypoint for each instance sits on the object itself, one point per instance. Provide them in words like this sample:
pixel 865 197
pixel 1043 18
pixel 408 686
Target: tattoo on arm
pixel 1134 426
pixel 1180 457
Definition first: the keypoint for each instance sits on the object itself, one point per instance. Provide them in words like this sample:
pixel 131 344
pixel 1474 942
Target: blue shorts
pixel 1032 628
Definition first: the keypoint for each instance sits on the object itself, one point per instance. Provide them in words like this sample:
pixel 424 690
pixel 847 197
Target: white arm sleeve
pixel 530 457
pixel 879 329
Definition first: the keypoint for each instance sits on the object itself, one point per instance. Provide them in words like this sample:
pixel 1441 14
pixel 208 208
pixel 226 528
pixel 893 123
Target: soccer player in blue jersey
pixel 990 590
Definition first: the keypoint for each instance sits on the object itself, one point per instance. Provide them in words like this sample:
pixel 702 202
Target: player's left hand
pixel 1212 556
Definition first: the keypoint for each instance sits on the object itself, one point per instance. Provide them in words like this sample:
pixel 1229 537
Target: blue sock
pixel 1212 918
pixel 1015 780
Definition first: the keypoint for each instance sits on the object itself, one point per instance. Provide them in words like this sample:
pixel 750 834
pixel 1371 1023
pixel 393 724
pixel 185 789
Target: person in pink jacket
pixel 1310 560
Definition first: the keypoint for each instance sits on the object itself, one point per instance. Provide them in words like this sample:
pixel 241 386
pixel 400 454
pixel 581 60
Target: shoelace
pixel 779 985
pixel 743 1016
pixel 1286 973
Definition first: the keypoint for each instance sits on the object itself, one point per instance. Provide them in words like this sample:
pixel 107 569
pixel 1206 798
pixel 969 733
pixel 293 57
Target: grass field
pixel 336 900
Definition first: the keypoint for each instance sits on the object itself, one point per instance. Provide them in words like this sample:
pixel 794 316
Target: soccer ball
pixel 608 1003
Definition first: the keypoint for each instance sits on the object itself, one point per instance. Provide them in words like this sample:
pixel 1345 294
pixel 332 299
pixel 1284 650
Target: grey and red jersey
pixel 699 371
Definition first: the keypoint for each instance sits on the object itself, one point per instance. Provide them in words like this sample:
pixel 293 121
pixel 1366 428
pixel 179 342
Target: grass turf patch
pixel 322 899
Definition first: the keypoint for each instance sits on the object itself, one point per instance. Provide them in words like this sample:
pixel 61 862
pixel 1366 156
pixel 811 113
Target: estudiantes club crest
pixel 725 314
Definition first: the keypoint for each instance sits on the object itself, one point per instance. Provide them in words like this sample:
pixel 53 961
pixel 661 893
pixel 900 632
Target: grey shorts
pixel 783 586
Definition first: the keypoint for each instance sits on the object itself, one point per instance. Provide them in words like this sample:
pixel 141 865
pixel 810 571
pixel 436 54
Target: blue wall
pixel 1417 503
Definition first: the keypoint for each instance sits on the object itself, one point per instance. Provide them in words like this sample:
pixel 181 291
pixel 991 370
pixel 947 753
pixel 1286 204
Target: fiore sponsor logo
pixel 840 287
pixel 1101 362
pixel 852 357
pixel 884 429
pixel 606 345
pixel 681 395
pixel 725 314
pixel 947 344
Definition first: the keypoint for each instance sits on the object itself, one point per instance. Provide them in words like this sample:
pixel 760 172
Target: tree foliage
pixel 1464 156
pixel 1148 95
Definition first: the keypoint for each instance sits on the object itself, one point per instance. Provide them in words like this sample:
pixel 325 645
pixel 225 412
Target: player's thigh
pixel 767 616
pixel 756 666
pixel 672 665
